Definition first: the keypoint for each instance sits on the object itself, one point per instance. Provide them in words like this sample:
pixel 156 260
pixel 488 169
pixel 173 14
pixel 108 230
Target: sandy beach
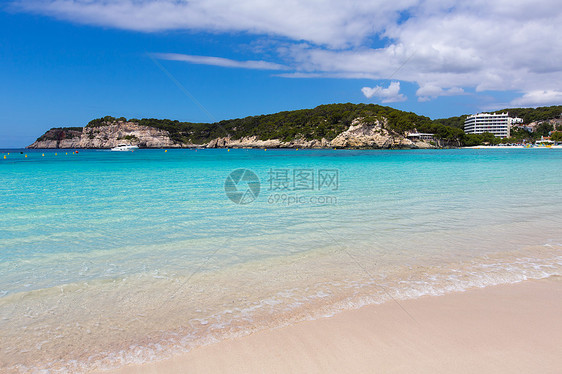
pixel 513 328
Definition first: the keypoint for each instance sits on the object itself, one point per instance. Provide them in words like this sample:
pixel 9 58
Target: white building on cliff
pixel 497 124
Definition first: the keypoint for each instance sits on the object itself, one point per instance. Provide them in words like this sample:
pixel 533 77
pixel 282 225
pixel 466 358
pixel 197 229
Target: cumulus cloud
pixel 538 98
pixel 428 92
pixel 442 45
pixel 219 61
pixel 391 94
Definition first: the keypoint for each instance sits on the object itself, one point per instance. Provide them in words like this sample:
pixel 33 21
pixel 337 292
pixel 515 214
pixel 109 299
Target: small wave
pixel 132 321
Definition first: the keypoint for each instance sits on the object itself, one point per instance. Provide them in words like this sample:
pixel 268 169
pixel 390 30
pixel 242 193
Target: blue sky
pixel 64 62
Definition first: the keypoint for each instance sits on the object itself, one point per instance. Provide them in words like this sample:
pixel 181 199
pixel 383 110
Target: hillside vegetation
pixel 324 121
pixel 327 121
pixel 534 114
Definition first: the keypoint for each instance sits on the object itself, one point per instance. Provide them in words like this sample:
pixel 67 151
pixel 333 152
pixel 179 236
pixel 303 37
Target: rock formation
pixel 107 137
pixel 360 134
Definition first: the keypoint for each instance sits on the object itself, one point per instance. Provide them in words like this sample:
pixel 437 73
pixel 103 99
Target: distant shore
pixel 512 146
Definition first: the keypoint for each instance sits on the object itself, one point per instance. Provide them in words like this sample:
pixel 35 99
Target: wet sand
pixel 501 329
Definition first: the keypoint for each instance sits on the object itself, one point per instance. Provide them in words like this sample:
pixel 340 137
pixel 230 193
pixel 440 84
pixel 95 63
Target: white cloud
pixel 429 92
pixel 326 22
pixel 387 95
pixel 442 45
pixel 219 61
pixel 538 98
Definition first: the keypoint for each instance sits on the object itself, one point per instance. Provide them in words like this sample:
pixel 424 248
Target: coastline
pixel 497 329
pixel 512 147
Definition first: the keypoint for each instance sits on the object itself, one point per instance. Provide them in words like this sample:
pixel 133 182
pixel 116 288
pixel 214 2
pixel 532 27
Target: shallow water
pixel 110 258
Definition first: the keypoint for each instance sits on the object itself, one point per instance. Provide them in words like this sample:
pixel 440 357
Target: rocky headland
pixel 360 134
pixel 345 125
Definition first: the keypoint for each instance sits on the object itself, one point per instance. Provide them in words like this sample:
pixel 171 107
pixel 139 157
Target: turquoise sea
pixel 110 258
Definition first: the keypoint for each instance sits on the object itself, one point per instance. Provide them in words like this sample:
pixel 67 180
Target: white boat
pixel 124 147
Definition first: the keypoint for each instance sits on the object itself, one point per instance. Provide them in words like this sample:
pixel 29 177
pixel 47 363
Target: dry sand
pixel 502 329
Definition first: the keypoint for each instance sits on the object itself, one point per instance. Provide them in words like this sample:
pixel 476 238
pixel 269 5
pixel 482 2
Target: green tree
pixel 556 136
pixel 543 129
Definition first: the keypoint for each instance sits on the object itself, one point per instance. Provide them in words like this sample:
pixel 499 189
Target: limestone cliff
pixel 360 134
pixel 364 134
pixel 107 136
pixel 59 138
pixel 254 142
pixel 129 133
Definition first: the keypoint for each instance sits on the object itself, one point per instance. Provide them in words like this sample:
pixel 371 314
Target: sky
pixel 65 62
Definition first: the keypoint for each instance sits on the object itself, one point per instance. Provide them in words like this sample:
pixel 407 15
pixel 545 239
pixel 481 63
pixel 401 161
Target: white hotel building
pixel 497 124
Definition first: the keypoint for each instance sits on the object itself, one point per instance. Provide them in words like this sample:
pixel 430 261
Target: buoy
pixel 265 149
pixel 4 157
pixel 42 155
pixel 67 153
pixel 25 156
pixel 297 149
pixel 165 150
pixel 56 154
pixel 228 150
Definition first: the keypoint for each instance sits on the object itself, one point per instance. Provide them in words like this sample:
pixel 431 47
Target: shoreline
pixel 559 146
pixel 496 329
pixel 122 338
pixel 513 147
